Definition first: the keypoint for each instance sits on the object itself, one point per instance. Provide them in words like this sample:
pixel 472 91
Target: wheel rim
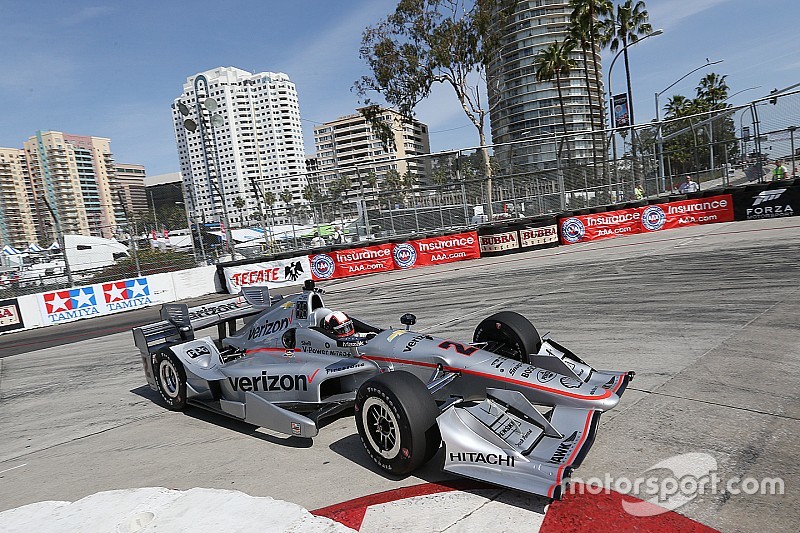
pixel 169 378
pixel 381 428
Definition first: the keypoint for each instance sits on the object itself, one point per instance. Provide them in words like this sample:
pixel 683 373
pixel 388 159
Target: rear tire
pixel 509 334
pixel 396 420
pixel 170 379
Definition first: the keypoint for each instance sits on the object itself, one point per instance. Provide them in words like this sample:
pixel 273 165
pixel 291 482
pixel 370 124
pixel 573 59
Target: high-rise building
pixel 73 175
pixel 239 134
pixel 16 218
pixel 129 182
pixel 349 147
pixel 522 107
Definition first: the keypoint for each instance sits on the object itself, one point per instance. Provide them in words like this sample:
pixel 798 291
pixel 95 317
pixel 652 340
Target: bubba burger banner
pixel 274 274
pixel 646 219
pixel 386 257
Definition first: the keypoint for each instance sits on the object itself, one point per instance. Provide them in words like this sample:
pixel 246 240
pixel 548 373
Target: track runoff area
pixel 704 438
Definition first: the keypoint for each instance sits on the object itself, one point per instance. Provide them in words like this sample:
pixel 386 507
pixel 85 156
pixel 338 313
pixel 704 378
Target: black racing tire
pixel 170 379
pixel 509 334
pixel 396 420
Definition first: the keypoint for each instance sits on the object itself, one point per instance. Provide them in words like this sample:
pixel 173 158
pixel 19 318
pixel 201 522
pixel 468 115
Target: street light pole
pixel 210 105
pixel 611 94
pixel 659 139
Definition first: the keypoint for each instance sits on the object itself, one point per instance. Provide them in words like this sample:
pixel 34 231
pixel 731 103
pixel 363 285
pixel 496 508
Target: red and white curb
pixel 478 507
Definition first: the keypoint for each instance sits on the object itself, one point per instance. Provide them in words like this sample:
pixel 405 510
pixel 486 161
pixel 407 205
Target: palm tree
pixel 626 25
pixel 677 106
pixel 240 204
pixel 586 27
pixel 554 62
pixel 712 89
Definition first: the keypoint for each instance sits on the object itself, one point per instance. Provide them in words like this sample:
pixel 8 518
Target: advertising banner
pixel 647 218
pixel 102 299
pixel 708 210
pixel 621 114
pixel 499 242
pixel 770 203
pixel 274 274
pixel 437 250
pixel 538 236
pixel 600 225
pixel 345 263
pixel 10 316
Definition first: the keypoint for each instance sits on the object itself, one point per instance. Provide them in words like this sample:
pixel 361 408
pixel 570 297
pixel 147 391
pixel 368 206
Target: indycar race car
pixel 510 407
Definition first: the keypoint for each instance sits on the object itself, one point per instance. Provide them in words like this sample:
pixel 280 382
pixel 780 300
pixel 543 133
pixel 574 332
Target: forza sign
pixel 770 203
pixel 646 219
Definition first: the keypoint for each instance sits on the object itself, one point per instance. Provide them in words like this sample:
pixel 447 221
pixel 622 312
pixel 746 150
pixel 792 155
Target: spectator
pixel 639 192
pixel 317 241
pixel 779 172
pixel 338 237
pixel 688 186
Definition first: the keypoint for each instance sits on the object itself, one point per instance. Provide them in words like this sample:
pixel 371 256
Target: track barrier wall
pixel 754 201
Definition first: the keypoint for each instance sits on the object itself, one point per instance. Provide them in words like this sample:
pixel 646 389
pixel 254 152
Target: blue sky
pixel 112 69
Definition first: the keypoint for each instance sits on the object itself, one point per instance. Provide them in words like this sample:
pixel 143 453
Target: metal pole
pixel 61 242
pixel 130 236
pixel 791 140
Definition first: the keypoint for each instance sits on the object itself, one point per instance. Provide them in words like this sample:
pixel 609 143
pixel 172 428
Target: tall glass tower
pixel 522 107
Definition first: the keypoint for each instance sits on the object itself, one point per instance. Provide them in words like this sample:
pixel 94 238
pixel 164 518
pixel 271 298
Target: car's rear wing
pixel 179 322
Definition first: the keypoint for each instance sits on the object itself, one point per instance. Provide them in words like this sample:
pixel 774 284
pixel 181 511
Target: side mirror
pixel 408 320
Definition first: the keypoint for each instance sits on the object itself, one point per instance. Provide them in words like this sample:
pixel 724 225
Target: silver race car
pixel 511 408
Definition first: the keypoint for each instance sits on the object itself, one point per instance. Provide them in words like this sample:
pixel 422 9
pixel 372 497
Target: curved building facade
pixel 523 108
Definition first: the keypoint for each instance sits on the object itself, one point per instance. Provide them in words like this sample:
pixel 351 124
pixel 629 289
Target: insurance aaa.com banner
pixel 386 257
pixel 646 219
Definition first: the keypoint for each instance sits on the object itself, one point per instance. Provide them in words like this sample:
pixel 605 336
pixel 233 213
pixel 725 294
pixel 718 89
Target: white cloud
pixel 86 14
pixel 665 15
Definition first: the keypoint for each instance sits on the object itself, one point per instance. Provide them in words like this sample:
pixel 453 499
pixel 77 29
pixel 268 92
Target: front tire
pixel 170 379
pixel 396 420
pixel 509 334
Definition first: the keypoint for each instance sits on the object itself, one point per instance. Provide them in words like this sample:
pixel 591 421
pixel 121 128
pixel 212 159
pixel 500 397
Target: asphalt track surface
pixel 707 316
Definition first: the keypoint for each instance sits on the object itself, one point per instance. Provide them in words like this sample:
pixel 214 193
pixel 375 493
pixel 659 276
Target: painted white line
pixel 12 468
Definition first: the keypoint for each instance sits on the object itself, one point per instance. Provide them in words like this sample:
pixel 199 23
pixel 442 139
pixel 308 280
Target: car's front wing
pixel 507 441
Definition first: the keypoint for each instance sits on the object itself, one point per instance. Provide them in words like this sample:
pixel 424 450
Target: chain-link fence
pixel 393 198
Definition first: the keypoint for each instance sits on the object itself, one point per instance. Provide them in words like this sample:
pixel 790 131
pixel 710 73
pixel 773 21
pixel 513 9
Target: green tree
pixel 239 203
pixel 554 62
pixel 426 42
pixel 626 24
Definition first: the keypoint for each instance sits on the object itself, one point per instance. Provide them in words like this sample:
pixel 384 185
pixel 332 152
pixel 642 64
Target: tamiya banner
pixel 648 218
pixel 10 316
pixel 95 300
pixel 769 203
pixel 437 250
pixel 354 262
pixel 274 274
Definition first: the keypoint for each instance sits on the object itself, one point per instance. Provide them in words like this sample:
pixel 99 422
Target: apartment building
pixel 523 107
pixel 16 217
pixel 129 181
pixel 350 147
pixel 73 175
pixel 239 134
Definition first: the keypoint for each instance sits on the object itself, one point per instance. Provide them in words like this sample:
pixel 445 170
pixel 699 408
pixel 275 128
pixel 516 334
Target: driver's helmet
pixel 339 324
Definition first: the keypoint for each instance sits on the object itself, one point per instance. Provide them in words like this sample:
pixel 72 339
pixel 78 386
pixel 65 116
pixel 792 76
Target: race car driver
pixel 339 324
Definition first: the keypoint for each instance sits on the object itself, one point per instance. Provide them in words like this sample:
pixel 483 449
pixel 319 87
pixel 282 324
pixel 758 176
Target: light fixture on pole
pixel 659 140
pixel 210 106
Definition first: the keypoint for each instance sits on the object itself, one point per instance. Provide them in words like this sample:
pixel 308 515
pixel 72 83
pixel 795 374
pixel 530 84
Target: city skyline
pixel 112 72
